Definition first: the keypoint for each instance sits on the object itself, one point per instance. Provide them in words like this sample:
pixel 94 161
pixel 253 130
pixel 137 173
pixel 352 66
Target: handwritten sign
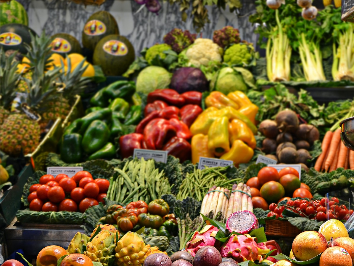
pixel 69 171
pixel 158 156
pixel 279 167
pixel 212 162
pixel 265 160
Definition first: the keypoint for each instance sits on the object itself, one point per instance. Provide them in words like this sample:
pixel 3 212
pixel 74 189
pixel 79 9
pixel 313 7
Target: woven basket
pixel 88 2
pixel 281 228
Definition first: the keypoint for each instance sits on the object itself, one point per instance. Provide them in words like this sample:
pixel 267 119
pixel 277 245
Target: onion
pixel 309 13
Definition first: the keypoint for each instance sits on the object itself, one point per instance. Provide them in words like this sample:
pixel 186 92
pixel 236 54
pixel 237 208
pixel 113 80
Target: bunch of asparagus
pixel 187 227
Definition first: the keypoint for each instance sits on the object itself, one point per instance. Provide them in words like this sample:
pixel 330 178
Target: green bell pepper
pixel 70 149
pixel 107 152
pixel 95 137
pixel 116 128
pixel 164 232
pixel 134 115
pixel 74 127
pixel 148 220
pixel 100 99
pixel 93 109
pixel 171 227
pixel 136 99
pixel 120 89
pixel 119 107
pixel 104 114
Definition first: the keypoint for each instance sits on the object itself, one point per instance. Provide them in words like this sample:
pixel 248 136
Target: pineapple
pixel 22 85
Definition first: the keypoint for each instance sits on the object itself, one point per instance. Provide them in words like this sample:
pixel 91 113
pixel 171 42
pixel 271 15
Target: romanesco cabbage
pixel 238 54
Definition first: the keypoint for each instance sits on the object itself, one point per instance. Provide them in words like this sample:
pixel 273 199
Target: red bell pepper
pixel 141 126
pixel 182 129
pixel 130 142
pixel 170 112
pixel 189 113
pixel 155 106
pixel 179 148
pixel 157 132
pixel 169 96
pixel 192 97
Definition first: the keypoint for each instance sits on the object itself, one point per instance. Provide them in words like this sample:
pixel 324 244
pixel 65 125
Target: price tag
pixel 69 171
pixel 279 167
pixel 158 156
pixel 211 162
pixel 266 160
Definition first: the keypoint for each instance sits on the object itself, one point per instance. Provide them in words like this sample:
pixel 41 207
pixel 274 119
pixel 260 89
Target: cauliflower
pixel 179 39
pixel 202 52
pixel 239 54
pixel 226 36
pixel 156 50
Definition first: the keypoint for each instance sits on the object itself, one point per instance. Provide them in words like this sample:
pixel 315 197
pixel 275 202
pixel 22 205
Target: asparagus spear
pixel 231 202
pixel 226 203
pixel 250 205
pixel 215 200
pixel 244 199
pixel 238 198
pixel 205 200
pixel 220 201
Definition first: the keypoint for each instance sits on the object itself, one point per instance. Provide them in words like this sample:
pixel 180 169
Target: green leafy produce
pixel 187 227
pixel 161 55
pixel 174 245
pixel 183 207
pixel 305 224
pixel 27 216
pixel 179 39
pixel 158 241
pixel 239 55
pixel 92 215
pixel 226 36
pixel 152 78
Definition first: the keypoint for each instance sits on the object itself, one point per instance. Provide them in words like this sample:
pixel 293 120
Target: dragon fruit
pixel 242 222
pixel 270 245
pixel 206 237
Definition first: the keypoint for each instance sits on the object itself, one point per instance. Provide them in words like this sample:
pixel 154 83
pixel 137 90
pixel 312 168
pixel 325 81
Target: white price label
pixel 69 171
pixel 279 167
pixel 265 160
pixel 158 156
pixel 211 162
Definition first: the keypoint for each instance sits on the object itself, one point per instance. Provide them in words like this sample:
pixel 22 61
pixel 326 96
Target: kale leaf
pixel 181 208
pixel 28 216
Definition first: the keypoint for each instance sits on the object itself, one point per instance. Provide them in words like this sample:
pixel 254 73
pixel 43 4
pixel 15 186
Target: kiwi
pixel 284 137
pixel 269 145
pixel 302 144
pixel 304 156
pixel 288 155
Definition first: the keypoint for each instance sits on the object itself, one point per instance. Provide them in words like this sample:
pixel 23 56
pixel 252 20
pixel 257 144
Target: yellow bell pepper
pixel 239 153
pixel 202 124
pixel 235 114
pixel 240 98
pixel 239 130
pixel 219 100
pixel 250 111
pixel 218 136
pixel 200 148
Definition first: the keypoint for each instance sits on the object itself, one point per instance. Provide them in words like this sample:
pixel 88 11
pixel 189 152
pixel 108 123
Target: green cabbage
pixel 152 78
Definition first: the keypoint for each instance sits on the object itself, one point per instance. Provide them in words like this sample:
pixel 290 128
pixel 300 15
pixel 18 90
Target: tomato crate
pixel 281 228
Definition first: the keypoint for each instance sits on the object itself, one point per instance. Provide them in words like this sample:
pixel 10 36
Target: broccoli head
pixel 179 39
pixel 239 54
pixel 226 36
pixel 156 50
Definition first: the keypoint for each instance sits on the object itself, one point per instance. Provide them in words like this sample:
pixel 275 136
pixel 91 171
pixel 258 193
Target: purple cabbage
pixel 189 79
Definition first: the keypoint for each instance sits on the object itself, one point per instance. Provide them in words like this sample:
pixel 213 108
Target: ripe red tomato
pixel 302 193
pixel 253 182
pixel 290 203
pixel 12 263
pixel 32 196
pixel 103 184
pixel 36 205
pixel 68 205
pixel 297 203
pixel 278 210
pixel 77 194
pixel 303 185
pixel 321 216
pixel 351 212
pixel 84 181
pixel 45 179
pixel 267 174
pixel 272 214
pixel 310 210
pixel 303 206
pixel 80 175
pixel 91 190
pixel 60 177
pixel 331 202
pixel 272 206
pixel 101 197
pixel 56 194
pixel 67 184
pixel 49 207
pixel 288 170
pixel 42 192
pixel 331 215
pixel 52 184
pixel 321 209
pixel 87 203
pixel 342 213
pixel 34 187
pixel 324 202
pixel 336 200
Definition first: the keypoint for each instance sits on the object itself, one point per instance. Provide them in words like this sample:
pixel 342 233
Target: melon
pixel 114 54
pixel 13 12
pixel 14 36
pixel 64 43
pixel 98 26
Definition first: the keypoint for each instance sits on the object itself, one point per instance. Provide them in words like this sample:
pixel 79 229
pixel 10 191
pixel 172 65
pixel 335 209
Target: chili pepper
pixel 130 142
pixel 138 207
pixel 200 148
pixel 169 96
pixel 155 106
pixel 141 126
pixel 239 153
pixel 218 136
pixel 240 98
pixel 74 127
pixel 95 137
pixel 158 207
pixel 179 148
pixel 192 97
pixel 171 227
pixel 134 115
pixel 93 109
pixel 182 129
pixel 164 232
pixel 239 130
pixel 250 111
pixel 116 128
pixel 189 113
pixel 104 114
pixel 119 107
pixel 70 150
pixel 157 132
pixel 100 99
pixel 169 112
pixel 120 89
pixel 108 152
pixel 136 99
pixel 149 220
pixel 126 220
pixel 219 100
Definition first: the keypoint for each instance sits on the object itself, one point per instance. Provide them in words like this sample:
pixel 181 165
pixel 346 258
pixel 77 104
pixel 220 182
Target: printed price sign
pixel 266 160
pixel 158 156
pixel 69 171
pixel 279 167
pixel 211 162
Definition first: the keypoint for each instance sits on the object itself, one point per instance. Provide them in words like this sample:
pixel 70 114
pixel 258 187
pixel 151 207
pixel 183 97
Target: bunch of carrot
pixel 220 200
pixel 334 154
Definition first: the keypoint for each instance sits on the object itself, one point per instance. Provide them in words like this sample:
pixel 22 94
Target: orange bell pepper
pixel 239 130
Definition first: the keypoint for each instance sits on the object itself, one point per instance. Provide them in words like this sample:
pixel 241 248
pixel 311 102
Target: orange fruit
pixel 335 256
pixel 89 72
pixel 50 255
pixel 56 59
pixel 347 243
pixel 74 59
pixel 255 192
pixel 272 191
pixel 76 260
pixel 302 193
pixel 253 182
pixel 308 245
pixel 259 202
pixel 267 174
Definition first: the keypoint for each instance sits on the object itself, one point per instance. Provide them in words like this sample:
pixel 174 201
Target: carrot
pixel 342 157
pixel 335 160
pixel 325 145
pixel 334 147
pixel 351 159
pixel 346 165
